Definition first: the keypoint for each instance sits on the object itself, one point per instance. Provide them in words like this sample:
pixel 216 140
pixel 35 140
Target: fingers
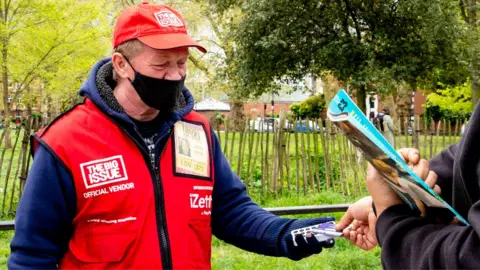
pixel 410 155
pixel 422 169
pixel 359 242
pixel 353 237
pixel 314 245
pixel 431 179
pixel 344 221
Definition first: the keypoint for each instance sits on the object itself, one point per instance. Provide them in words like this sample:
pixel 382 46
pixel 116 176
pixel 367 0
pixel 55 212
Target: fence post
pixel 267 171
pixel 232 144
pixel 425 130
pixel 241 148
pixel 275 149
pixel 416 133
pixel 217 122
pixel 325 156
pixel 436 139
pixel 335 153
pixel 297 161
pixel 251 144
pixel 10 168
pixel 432 130
pixel 304 161
pixel 287 157
pixel 281 146
pixel 225 146
pixel 262 160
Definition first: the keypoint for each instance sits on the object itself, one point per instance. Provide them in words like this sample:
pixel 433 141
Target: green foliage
pixel 5 239
pixel 37 115
pixel 335 174
pixel 373 44
pixel 450 103
pixel 309 108
pixel 51 45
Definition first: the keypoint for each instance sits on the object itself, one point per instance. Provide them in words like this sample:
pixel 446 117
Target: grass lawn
pixel 225 256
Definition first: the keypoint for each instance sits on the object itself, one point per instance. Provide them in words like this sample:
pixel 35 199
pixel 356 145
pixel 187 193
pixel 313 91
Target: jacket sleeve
pixel 237 220
pixel 413 242
pixel 442 165
pixel 43 223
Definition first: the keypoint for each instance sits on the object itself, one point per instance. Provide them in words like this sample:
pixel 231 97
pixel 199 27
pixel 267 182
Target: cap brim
pixel 170 41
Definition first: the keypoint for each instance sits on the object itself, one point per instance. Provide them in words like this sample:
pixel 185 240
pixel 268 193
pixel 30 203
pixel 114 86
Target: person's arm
pixel 237 220
pixel 43 222
pixel 413 242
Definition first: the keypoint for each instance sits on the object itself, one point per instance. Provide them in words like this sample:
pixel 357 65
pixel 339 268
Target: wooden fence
pixel 312 155
pixel 15 162
pixel 307 156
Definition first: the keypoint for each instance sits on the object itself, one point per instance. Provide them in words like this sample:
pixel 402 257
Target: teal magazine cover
pixel 345 114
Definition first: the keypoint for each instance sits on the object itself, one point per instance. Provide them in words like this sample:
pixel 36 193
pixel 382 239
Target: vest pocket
pixel 200 243
pixel 104 248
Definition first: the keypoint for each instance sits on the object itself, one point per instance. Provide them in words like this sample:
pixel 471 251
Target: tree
pixel 36 37
pixel 468 11
pixel 68 50
pixel 357 41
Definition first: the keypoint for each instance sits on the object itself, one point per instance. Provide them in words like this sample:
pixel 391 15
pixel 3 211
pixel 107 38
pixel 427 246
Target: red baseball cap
pixel 157 26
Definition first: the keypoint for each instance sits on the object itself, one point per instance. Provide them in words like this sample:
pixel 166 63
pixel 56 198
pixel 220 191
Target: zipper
pixel 164 242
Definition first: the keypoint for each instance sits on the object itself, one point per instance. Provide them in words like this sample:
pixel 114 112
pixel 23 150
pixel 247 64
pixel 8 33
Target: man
pixel 379 121
pixel 387 129
pixel 108 187
pixel 410 241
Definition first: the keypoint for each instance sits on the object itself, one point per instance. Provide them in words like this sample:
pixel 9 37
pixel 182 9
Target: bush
pixel 450 104
pixel 256 174
pixel 309 108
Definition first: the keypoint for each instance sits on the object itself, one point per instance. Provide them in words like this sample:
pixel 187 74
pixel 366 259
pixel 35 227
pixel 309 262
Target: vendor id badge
pixel 192 157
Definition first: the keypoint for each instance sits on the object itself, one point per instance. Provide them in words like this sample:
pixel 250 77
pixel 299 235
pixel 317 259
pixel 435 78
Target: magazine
pixel 345 114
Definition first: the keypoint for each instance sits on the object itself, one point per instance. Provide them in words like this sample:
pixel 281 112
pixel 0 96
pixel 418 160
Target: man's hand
pixel 305 247
pixel 362 231
pixel 308 246
pixel 382 194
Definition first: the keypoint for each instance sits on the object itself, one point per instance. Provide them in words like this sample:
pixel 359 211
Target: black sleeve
pixel 442 165
pixel 412 242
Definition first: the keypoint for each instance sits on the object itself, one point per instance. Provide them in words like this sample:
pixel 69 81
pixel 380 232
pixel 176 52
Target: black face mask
pixel 159 94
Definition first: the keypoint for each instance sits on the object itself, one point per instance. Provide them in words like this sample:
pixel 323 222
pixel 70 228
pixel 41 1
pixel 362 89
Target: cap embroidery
pixel 167 18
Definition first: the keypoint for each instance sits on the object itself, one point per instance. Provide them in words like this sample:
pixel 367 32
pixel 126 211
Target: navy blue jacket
pixel 44 216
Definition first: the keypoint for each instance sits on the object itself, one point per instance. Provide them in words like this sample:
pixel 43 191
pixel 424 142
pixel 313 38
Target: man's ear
pixel 120 65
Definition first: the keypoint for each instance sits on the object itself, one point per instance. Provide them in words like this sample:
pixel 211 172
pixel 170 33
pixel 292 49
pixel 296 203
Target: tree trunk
pixel 475 90
pixel 470 16
pixel 361 98
pixel 238 115
pixel 6 106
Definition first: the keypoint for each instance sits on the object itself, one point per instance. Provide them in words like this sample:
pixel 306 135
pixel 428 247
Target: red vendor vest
pixel 130 215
